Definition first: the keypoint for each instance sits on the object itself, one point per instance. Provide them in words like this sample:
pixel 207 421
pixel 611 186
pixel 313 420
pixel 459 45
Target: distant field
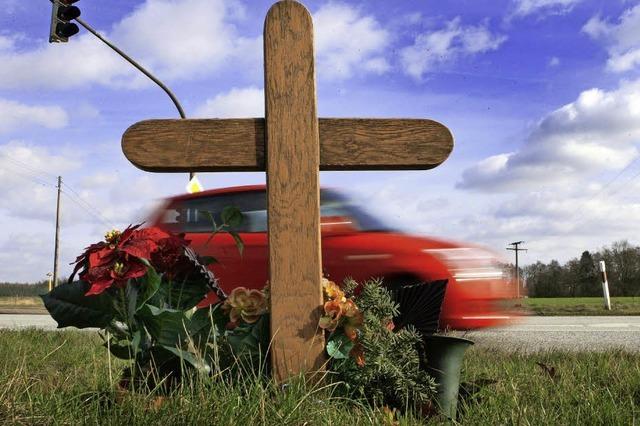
pixel 555 306
pixel 21 305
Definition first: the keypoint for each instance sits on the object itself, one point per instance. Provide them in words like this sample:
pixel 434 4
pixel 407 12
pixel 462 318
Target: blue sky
pixel 542 96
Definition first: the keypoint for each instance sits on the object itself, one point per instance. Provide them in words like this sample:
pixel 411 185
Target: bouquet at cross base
pixel 370 357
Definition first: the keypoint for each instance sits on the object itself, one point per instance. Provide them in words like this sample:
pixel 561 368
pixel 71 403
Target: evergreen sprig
pixel 391 374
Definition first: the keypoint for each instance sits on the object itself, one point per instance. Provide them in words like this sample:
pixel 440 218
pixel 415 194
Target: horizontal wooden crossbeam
pixel 214 145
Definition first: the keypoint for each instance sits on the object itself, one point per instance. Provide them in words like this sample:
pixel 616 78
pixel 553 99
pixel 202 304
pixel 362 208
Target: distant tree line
pixel 580 277
pixel 23 289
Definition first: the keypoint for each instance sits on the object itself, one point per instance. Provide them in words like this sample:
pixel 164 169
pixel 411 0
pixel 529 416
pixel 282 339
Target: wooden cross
pixel 292 145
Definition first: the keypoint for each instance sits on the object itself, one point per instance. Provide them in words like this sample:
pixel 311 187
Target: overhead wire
pixel 24 165
pixel 32 177
pixel 24 171
pixel 89 211
pixel 582 212
pixel 85 205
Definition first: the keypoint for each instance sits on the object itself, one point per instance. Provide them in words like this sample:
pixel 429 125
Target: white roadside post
pixel 605 286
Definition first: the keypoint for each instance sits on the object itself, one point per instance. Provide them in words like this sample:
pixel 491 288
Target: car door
pixel 352 244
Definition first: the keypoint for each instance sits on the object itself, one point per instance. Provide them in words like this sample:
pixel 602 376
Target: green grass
pixel 67 378
pixel 582 306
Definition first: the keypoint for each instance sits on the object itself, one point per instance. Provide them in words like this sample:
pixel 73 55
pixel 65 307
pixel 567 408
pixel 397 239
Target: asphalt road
pixel 565 333
pixel 529 335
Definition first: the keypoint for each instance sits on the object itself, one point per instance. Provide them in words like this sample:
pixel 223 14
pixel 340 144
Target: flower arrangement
pixel 144 287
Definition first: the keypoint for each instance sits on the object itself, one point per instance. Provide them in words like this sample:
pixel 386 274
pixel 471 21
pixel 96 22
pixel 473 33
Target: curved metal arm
pixel 140 68
pixel 135 64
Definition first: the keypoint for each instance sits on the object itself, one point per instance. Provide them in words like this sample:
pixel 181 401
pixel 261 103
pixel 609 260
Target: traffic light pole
pixel 140 68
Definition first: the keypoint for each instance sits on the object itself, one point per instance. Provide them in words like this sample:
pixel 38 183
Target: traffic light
pixel 61 28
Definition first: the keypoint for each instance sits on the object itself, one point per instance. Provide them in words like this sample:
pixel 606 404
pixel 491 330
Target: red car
pixel 354 244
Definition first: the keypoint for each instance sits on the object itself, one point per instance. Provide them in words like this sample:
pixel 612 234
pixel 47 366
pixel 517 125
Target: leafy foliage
pixel 69 306
pixel 391 373
pixel 141 288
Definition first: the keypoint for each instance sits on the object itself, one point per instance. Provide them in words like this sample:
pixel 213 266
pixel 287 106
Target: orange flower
pixel 245 304
pixel 357 352
pixel 332 290
pixel 333 313
pixel 354 320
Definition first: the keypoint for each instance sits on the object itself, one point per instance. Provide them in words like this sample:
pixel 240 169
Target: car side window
pixel 195 215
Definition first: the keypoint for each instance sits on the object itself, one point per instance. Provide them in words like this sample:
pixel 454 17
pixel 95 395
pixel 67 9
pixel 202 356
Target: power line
pixel 32 178
pixel 88 204
pixel 28 166
pixel 93 212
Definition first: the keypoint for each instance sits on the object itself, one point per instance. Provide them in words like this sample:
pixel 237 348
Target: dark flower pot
pixel 443 361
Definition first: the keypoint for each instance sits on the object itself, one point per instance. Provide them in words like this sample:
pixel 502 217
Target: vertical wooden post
pixel 293 194
pixel 57 238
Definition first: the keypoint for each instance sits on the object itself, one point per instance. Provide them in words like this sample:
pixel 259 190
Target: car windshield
pixel 337 204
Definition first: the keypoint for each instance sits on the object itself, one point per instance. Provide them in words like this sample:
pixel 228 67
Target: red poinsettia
pixel 121 257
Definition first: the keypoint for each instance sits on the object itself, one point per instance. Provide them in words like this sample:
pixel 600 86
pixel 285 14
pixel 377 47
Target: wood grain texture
pixel 212 145
pixel 293 191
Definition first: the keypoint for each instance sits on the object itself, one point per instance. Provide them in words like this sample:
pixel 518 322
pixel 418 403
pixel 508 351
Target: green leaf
pixel 238 241
pixel 172 327
pixel 166 326
pixel 150 286
pixel 252 338
pixel 120 350
pixel 339 346
pixel 187 294
pixel 131 299
pixel 135 341
pixel 219 318
pixel 198 363
pixel 69 306
pixel 232 216
pixel 208 260
pixel 182 295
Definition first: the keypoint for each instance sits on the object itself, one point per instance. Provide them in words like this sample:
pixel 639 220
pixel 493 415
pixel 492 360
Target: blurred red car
pixel 354 244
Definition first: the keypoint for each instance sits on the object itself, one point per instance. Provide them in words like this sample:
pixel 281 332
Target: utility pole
pixel 516 248
pixel 55 253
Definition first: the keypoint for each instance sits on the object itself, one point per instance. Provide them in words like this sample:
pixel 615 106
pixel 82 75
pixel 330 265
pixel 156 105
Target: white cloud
pixel 597 132
pixel 99 179
pixel 61 66
pixel 435 48
pixel 554 61
pixel 528 7
pixel 26 256
pixel 27 179
pixel 237 103
pixel 348 43
pixel 183 38
pixel 622 39
pixel 176 39
pixel 15 115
